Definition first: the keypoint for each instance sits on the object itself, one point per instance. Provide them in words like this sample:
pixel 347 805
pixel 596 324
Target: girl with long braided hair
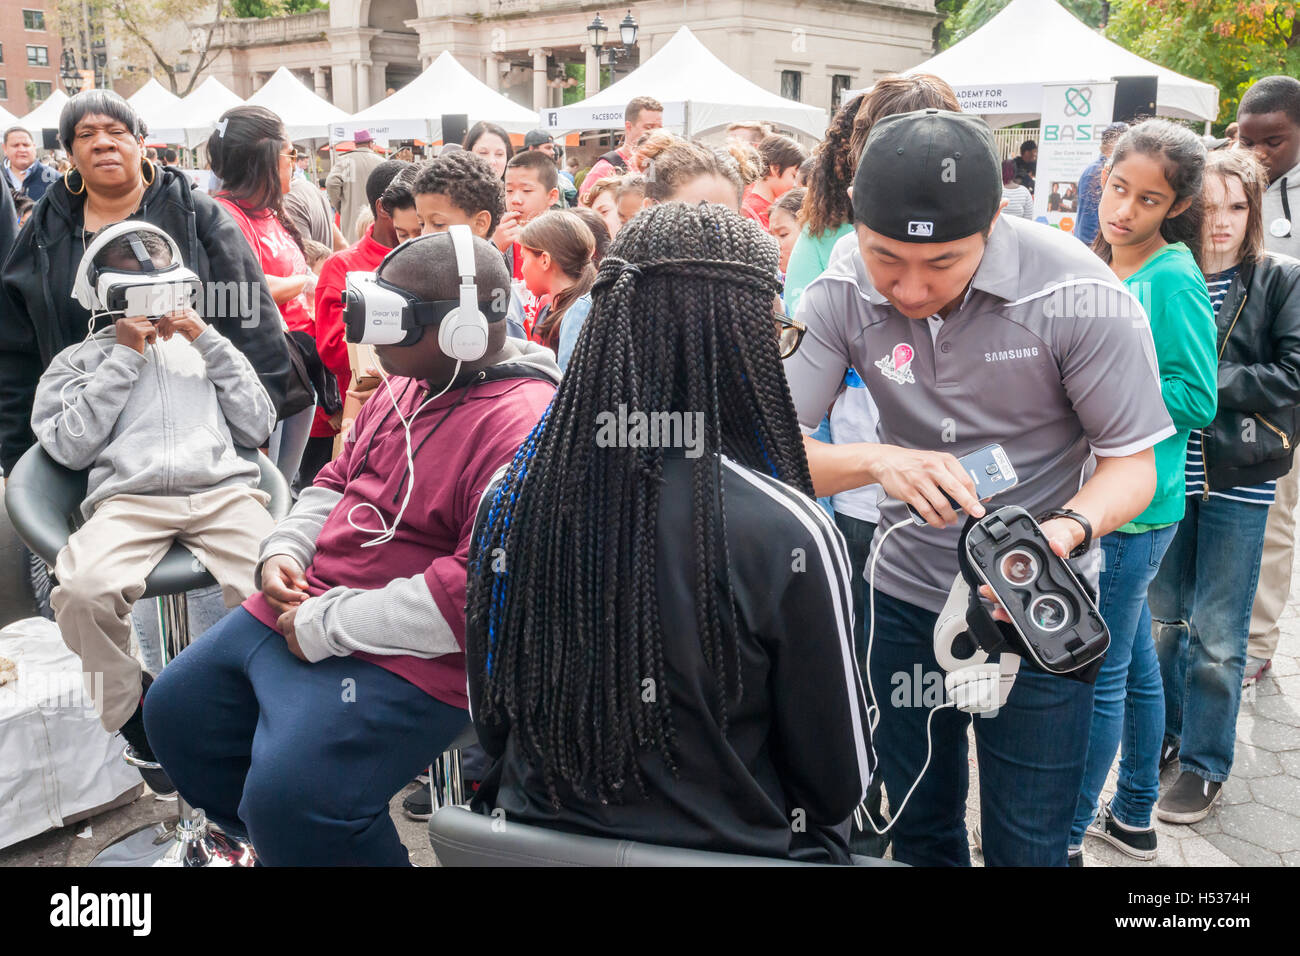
pixel 659 623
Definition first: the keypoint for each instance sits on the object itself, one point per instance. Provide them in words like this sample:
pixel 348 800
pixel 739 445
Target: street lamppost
pixel 69 74
pixel 597 33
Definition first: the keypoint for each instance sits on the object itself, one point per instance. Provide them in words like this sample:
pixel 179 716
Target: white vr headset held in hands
pixel 151 292
pixel 376 312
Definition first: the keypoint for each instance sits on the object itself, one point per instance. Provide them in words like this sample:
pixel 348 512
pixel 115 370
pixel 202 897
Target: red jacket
pixel 364 255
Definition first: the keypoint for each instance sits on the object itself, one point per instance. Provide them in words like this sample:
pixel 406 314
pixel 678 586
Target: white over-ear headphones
pixel 975 684
pixel 463 332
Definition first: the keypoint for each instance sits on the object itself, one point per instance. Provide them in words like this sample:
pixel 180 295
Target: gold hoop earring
pixel 67 181
pixel 152 168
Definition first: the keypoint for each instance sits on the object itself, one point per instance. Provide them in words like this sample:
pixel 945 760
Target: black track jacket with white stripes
pixel 797 757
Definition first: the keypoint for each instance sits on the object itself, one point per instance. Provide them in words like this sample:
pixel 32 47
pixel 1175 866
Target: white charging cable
pixel 82 378
pixel 873 711
pixel 877 545
pixel 384 533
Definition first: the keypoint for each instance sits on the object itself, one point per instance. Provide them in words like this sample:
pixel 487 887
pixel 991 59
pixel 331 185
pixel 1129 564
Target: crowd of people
pixel 701 634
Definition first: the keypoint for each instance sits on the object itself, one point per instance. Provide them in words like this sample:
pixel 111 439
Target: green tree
pixel 1229 43
pixel 964 17
pixel 273 8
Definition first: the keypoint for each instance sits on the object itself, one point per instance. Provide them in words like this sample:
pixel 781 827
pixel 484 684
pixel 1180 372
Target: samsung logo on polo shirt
pixel 1011 354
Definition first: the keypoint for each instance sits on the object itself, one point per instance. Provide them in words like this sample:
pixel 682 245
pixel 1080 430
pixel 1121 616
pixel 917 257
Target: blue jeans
pixel 289 440
pixel 303 758
pixel 1128 697
pixel 1031 754
pixel 206 608
pixel 1201 602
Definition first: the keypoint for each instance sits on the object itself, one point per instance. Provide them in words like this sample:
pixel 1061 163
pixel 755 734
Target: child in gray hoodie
pixel 154 408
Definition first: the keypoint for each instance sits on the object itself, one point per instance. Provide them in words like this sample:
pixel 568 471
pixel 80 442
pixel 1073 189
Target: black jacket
pixel 1253 435
pixel 798 746
pixel 39 318
pixel 8 223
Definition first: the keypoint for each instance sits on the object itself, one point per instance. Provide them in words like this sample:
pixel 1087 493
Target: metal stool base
pixel 191 841
pixel 179 845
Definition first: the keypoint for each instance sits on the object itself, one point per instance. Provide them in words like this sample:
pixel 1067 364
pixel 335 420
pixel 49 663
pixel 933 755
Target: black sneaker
pixel 1189 800
pixel 1139 844
pixel 152 771
pixel 418 804
pixel 138 752
pixel 1168 754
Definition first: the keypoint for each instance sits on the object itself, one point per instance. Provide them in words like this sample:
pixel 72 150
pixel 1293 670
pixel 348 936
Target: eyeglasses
pixel 291 155
pixel 789 333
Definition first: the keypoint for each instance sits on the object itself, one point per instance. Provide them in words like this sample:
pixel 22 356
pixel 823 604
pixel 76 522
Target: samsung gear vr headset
pixel 152 291
pixel 376 312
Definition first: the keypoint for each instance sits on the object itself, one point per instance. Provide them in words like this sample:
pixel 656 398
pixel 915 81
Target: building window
pixel 792 85
pixel 38 55
pixel 33 20
pixel 38 91
pixel 4 90
pixel 2 52
pixel 839 83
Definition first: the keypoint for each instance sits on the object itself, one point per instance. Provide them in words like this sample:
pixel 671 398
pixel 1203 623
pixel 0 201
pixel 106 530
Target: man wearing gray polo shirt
pixel 969 328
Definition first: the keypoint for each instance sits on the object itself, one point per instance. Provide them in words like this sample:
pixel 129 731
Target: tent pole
pixel 686 131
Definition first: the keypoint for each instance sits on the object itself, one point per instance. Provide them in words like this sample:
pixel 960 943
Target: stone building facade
pixel 357 50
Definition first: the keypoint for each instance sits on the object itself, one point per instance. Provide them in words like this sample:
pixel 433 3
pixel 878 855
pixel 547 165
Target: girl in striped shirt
pixel 1202 595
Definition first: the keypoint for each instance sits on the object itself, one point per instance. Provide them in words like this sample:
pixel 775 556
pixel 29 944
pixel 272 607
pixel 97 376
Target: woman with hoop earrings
pixel 110 181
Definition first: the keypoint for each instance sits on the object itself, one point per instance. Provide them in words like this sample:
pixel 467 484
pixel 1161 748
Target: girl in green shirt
pixel 1150 215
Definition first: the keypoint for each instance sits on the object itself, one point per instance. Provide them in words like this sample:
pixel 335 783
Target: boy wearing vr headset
pixel 153 405
pixel 298 717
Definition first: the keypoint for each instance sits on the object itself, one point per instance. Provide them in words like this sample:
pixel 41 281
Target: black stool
pixel 44 503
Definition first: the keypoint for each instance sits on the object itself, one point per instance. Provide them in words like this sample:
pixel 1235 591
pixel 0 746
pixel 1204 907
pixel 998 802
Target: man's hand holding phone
pixel 928 481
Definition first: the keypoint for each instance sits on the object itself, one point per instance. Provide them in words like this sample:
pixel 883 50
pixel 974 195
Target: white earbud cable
pixel 384 533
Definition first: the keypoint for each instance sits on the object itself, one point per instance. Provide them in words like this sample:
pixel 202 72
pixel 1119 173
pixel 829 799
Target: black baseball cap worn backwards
pixel 928 176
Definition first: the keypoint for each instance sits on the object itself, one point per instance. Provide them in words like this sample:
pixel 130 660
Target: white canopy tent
pixel 1000 70
pixel 699 92
pixel 46 116
pixel 190 120
pixel 8 119
pixel 305 115
pixel 153 102
pixel 446 87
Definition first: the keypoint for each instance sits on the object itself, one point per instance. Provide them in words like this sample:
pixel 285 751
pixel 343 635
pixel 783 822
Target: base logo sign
pixel 1074 117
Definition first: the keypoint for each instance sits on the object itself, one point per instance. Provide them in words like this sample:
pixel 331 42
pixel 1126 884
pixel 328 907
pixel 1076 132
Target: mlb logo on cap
pixel 920 228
